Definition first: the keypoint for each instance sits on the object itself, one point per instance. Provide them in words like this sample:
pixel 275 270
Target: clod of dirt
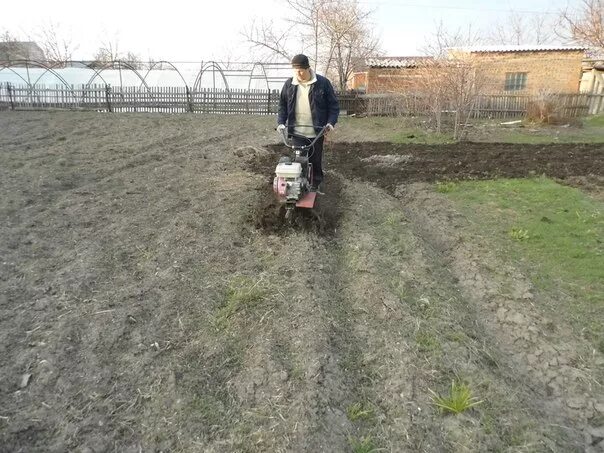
pixel 387 160
pixel 251 152
pixel 25 380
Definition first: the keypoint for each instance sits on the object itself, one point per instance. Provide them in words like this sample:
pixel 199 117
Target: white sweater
pixel 303 112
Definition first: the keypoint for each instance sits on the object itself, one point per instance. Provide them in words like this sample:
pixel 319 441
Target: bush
pixel 543 109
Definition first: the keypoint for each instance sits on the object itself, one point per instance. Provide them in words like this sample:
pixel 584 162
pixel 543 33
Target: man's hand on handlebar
pixel 280 127
pixel 328 127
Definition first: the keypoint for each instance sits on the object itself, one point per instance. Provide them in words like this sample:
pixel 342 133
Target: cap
pixel 300 61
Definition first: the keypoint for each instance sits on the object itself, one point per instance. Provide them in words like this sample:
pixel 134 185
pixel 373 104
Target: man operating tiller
pixel 307 105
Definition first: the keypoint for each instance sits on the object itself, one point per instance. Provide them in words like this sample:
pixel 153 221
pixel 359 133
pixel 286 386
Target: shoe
pixel 317 188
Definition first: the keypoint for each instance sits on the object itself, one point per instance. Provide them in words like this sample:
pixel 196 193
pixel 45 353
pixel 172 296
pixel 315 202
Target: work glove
pixel 281 128
pixel 329 127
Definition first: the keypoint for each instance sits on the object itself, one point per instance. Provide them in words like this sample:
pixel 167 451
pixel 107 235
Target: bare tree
pixel 517 29
pixel 56 47
pixel 108 51
pixel 270 42
pixel 348 37
pixel 584 26
pixel 309 18
pixel 449 80
pixel 333 34
pixel 7 36
pixel 134 60
pixel 438 45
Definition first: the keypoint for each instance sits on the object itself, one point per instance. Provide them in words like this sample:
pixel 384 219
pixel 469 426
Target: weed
pixel 519 234
pixel 359 411
pixel 363 445
pixel 459 399
pixel 427 342
pixel 445 187
pixel 297 373
pixel 241 294
pixel 398 289
pixel 207 408
pixel 394 219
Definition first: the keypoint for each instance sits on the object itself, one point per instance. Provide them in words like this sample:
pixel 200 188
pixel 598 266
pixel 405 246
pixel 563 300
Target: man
pixel 307 104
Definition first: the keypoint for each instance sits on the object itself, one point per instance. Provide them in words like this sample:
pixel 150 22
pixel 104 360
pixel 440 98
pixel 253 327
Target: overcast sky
pixel 211 30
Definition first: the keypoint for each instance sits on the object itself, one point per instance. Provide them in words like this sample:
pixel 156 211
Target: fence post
pixel 190 100
pixel 10 95
pixel 108 97
pixel 268 104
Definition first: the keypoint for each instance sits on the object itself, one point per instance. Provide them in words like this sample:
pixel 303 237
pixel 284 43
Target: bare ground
pixel 152 299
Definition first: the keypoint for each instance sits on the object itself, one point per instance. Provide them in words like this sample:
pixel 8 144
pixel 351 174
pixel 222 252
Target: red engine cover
pixel 280 186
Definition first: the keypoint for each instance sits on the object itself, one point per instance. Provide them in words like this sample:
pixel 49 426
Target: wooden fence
pixel 485 106
pixel 134 99
pixel 264 102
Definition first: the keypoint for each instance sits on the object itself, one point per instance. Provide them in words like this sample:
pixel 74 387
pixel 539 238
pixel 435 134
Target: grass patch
pixel 427 342
pixel 590 130
pixel 561 241
pixel 359 411
pixel 519 234
pixel 445 186
pixel 417 135
pixel 594 121
pixel 242 294
pixel 458 400
pixel 363 445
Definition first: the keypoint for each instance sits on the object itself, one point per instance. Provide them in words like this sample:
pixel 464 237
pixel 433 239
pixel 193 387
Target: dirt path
pixel 151 300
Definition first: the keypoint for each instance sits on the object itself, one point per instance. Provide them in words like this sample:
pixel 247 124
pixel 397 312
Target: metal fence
pixel 265 102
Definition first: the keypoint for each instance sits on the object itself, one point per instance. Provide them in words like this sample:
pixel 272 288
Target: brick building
pixel 527 69
pixel 501 69
pixel 388 75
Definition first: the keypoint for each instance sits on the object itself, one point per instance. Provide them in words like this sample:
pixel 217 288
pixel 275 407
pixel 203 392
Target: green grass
pixel 359 411
pixel 519 234
pixel 417 135
pixel 555 231
pixel 242 294
pixel 427 342
pixel 363 445
pixel 458 400
pixel 589 130
pixel 412 130
pixel 445 186
pixel 594 121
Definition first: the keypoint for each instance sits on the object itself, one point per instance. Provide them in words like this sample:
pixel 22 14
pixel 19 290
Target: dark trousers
pixel 316 157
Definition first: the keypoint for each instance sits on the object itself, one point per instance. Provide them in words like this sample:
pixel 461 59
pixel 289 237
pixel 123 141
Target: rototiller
pixel 293 181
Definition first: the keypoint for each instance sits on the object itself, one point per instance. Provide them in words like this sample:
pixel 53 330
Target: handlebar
pixel 287 143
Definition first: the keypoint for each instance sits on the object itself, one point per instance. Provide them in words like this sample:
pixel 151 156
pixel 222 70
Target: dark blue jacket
pixel 324 105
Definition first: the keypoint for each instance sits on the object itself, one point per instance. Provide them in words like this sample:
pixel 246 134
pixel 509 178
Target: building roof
pixel 522 48
pixel 395 62
pixel 20 50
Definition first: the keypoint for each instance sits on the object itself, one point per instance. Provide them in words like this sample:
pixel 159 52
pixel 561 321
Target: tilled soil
pixel 389 165
pixel 152 298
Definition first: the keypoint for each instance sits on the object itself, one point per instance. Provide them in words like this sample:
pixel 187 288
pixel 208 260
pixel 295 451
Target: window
pixel 515 81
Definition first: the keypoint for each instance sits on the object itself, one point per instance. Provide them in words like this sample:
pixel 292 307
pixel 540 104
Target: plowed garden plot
pixel 151 299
